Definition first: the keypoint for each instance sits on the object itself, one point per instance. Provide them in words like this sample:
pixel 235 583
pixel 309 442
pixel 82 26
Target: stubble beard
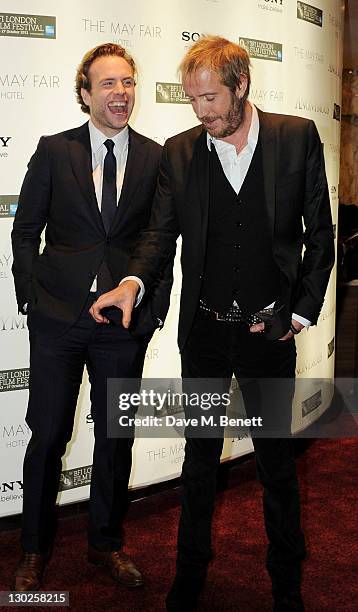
pixel 231 120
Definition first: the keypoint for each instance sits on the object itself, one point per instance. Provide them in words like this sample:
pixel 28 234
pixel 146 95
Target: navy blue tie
pixel 109 187
pixel 108 211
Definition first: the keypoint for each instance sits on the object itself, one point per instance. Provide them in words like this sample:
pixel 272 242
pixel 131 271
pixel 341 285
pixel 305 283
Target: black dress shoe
pixel 288 602
pixel 184 593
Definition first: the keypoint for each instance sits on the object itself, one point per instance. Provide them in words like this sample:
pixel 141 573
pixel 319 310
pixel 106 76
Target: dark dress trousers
pixel 58 195
pixel 284 188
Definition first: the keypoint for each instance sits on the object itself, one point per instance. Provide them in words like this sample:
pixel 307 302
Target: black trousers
pixel 218 349
pixel 56 369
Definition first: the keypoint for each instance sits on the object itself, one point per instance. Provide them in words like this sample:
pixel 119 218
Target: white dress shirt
pixel 235 165
pixel 99 152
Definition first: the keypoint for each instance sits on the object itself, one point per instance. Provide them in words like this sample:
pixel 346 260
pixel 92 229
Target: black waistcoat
pixel 239 261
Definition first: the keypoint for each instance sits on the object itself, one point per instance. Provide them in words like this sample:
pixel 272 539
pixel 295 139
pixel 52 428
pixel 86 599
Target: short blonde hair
pixel 226 58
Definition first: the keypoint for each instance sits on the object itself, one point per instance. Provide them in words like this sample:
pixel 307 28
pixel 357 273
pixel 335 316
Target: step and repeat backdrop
pixel 296 54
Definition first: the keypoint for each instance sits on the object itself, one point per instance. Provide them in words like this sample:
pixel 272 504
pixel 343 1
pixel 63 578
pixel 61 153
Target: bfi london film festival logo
pixel 262 49
pixel 75 477
pixel 14 380
pixel 275 6
pixel 170 93
pixel 312 403
pixel 121 32
pixel 8 204
pixel 32 26
pixel 309 13
pixel 14 86
pixel 4 146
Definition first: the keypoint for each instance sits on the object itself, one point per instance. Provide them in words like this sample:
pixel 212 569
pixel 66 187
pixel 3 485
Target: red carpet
pixel 237 579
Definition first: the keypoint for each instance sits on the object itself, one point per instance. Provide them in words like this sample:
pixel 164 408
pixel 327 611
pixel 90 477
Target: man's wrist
pixel 302 320
pixel 295 330
pixel 140 287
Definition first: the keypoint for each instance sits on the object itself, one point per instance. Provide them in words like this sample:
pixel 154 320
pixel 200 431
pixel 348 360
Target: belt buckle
pixel 220 317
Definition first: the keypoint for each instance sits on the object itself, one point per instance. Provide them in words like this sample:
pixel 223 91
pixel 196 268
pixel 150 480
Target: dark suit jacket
pixel 58 193
pixel 296 191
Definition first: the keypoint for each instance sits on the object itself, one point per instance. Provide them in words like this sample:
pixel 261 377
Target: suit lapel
pixel 135 167
pixel 81 162
pixel 268 144
pixel 200 177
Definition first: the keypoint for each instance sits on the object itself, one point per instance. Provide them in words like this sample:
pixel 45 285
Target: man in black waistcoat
pixel 92 188
pixel 237 189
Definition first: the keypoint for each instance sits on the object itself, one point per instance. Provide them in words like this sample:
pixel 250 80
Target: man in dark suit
pixel 91 189
pixel 237 189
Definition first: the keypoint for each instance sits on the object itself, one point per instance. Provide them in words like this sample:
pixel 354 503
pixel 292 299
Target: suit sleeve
pixel 157 243
pixel 29 222
pixel 318 257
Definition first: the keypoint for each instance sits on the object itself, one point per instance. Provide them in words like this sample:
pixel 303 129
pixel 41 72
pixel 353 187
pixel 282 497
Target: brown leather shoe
pixel 121 567
pixel 28 574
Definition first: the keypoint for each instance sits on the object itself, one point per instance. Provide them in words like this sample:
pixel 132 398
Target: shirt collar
pixel 97 138
pixel 252 137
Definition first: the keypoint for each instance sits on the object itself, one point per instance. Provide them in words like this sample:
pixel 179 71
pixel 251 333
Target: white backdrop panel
pixel 302 76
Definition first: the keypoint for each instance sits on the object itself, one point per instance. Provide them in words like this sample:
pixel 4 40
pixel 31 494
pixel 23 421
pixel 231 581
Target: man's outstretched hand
pixel 123 297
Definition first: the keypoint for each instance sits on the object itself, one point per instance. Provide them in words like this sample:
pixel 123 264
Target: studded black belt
pixel 235 314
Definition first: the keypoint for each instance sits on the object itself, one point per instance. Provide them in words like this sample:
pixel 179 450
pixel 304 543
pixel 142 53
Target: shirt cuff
pixel 295 317
pixel 141 288
pixel 301 320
